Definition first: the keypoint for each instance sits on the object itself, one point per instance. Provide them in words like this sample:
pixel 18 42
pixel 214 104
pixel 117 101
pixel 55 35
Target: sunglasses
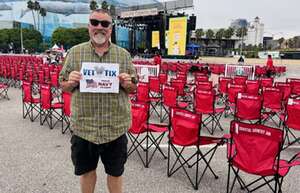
pixel 95 23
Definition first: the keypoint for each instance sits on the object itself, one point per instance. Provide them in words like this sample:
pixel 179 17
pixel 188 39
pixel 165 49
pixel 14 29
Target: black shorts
pixel 85 155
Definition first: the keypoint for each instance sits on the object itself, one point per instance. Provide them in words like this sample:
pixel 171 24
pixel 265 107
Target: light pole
pixel 21 37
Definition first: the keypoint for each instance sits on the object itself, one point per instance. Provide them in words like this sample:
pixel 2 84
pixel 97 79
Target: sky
pixel 281 17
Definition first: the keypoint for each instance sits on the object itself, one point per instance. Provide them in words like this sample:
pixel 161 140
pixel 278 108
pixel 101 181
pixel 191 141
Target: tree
pixel 69 37
pixel 30 6
pixel 220 34
pixel 43 13
pixel 36 8
pixel 241 33
pixel 104 5
pixel 280 41
pixel 228 33
pixel 199 34
pixel 93 5
pixel 210 34
pixel 112 10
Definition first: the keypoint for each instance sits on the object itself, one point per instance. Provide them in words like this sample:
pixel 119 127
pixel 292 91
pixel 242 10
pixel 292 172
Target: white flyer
pixel 99 77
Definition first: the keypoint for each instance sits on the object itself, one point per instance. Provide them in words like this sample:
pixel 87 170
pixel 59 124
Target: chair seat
pixel 57 105
pixel 183 104
pixel 204 140
pixel 155 127
pixel 35 100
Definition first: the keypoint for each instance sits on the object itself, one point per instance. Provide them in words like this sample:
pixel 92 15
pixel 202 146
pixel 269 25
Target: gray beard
pixel 99 38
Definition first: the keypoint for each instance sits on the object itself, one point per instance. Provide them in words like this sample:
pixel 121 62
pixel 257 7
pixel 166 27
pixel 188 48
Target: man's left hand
pixel 126 83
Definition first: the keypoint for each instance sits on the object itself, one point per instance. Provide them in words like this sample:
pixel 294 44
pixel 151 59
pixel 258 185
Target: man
pixel 157 58
pixel 99 121
pixel 269 66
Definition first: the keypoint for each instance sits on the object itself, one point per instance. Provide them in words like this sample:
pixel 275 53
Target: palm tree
pixel 43 13
pixel 104 5
pixel 30 6
pixel 241 33
pixel 228 33
pixel 199 34
pixel 93 5
pixel 210 34
pixel 37 7
pixel 112 10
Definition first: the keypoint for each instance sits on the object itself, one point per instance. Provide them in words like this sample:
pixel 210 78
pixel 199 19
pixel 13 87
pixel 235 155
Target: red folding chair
pixel 248 107
pixel 66 96
pixel 252 87
pixel 233 90
pixel 255 149
pixel 205 105
pixel 49 109
pixel 285 88
pixel 266 82
pixel 170 100
pixel 185 132
pixel 143 95
pixel 272 105
pixel 31 105
pixel 141 133
pixel 292 122
pixel 295 84
pixel 222 89
pixel 3 91
pixel 240 80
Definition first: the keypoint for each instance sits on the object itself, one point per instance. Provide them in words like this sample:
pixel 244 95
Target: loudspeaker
pixel 192 22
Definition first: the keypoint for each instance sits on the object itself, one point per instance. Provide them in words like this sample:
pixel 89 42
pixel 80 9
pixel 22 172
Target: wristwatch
pixel 134 80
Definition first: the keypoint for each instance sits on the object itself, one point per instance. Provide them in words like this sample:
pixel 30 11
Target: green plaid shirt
pixel 99 118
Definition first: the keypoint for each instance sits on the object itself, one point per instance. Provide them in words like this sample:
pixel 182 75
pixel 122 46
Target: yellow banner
pixel 155 39
pixel 177 36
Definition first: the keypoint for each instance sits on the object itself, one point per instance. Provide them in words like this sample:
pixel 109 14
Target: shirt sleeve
pixel 68 67
pixel 130 68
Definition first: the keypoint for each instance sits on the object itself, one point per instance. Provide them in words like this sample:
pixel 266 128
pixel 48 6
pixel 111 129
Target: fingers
pixel 124 77
pixel 74 78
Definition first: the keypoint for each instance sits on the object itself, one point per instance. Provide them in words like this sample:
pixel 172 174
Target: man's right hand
pixel 74 78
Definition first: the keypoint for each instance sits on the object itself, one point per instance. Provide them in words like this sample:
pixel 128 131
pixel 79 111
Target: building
pixel 255 33
pixel 239 23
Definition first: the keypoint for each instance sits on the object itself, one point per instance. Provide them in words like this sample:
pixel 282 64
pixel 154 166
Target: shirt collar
pixel 93 48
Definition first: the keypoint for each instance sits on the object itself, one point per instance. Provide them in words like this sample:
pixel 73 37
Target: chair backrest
pixel 204 85
pixel 252 86
pixel 154 84
pixel 163 78
pixel 179 85
pixel 285 88
pixel 204 101
pixel 45 96
pixel 142 92
pixel 240 80
pixel 248 106
pixel 54 79
pixel 67 103
pixel 266 82
pixel 169 96
pixel 41 77
pixel 139 113
pixel 295 84
pixel 233 90
pixel 27 89
pixel 223 84
pixel 272 98
pixel 293 114
pixel 185 127
pixel 201 78
pixel 255 148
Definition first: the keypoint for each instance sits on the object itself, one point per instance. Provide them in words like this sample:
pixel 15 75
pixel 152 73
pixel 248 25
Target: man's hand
pixel 74 78
pixel 73 82
pixel 126 83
